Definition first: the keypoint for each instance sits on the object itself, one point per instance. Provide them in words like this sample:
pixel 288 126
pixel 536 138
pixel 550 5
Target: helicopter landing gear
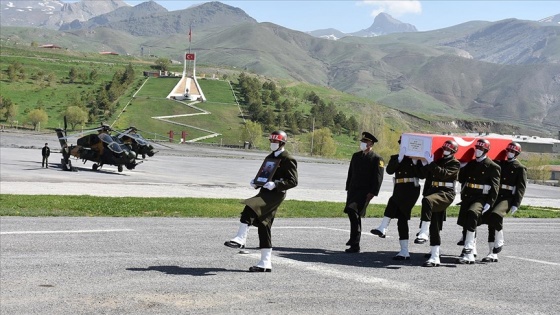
pixel 120 168
pixel 95 166
pixel 66 164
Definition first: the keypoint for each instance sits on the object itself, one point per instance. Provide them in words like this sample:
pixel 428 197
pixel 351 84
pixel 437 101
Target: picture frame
pixel 266 171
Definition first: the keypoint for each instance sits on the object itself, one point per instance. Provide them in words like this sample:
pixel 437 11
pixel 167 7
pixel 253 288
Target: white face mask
pixel 446 153
pixel 363 146
pixel 274 146
pixel 510 155
pixel 478 153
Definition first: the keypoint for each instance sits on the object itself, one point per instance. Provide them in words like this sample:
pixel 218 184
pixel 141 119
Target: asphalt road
pixel 179 266
pixel 60 265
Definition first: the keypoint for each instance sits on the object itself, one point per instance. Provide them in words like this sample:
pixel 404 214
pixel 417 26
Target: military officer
pixel 439 193
pixel 513 181
pixel 260 210
pixel 480 182
pixel 365 175
pixel 406 190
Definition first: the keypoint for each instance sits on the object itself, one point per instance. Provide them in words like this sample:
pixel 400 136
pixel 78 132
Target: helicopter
pixel 138 144
pixel 101 148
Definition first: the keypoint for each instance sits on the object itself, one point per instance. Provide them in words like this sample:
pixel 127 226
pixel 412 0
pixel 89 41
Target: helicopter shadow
pixel 188 271
pixel 379 259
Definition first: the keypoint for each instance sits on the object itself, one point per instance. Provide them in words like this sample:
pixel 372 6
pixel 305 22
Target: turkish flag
pixel 189 57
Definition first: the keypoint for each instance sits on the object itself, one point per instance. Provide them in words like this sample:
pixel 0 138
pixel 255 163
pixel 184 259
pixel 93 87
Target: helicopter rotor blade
pixel 65 126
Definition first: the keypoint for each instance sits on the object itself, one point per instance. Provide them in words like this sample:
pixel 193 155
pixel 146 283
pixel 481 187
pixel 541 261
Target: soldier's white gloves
pixel 429 157
pixel 486 208
pixel 512 210
pixel 269 185
pixel 253 183
pixel 401 154
pixel 414 161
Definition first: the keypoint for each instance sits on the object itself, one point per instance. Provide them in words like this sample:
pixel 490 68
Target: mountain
pixel 142 10
pixel 551 19
pixel 383 24
pixel 53 13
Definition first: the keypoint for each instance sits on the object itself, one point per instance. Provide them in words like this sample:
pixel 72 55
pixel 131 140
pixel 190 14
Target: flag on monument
pixel 189 57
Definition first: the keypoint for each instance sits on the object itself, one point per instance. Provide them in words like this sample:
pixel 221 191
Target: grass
pixel 90 206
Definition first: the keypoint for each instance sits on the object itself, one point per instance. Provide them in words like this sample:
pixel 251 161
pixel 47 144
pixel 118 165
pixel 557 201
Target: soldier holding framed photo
pixel 277 174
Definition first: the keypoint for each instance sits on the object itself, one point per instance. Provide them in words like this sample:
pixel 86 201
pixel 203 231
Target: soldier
pixel 46 152
pixel 365 175
pixel 260 210
pixel 406 190
pixel 439 193
pixel 480 181
pixel 512 188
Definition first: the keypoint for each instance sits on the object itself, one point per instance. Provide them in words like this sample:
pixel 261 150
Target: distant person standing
pixel 46 152
pixel 513 181
pixel 365 175
pixel 406 190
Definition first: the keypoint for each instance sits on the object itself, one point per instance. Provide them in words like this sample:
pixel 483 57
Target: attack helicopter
pixel 139 145
pixel 103 148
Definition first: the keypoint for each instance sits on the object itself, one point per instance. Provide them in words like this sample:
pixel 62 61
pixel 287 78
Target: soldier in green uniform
pixel 260 210
pixel 480 182
pixel 512 188
pixel 406 190
pixel 365 175
pixel 439 193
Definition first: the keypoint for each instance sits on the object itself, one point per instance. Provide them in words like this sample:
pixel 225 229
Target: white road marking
pixel 534 260
pixel 62 232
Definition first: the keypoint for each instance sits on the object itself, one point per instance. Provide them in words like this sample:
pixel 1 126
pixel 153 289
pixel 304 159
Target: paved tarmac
pixel 61 265
pixel 180 266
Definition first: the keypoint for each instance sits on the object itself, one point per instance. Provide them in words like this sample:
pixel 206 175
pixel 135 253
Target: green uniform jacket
pixel 266 202
pixel 513 174
pixel 406 194
pixel 485 172
pixel 365 175
pixel 442 170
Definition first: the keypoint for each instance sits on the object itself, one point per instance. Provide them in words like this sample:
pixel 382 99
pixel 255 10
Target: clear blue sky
pixel 351 15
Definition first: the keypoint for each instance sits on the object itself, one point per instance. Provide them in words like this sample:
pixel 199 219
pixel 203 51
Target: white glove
pixel 401 154
pixel 252 183
pixel 414 161
pixel 486 208
pixel 512 210
pixel 429 157
pixel 269 185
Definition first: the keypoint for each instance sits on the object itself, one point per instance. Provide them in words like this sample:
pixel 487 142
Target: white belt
pixel 508 187
pixel 485 188
pixel 404 180
pixel 443 184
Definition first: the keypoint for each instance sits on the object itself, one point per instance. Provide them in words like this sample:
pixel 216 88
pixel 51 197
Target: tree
pixel 72 75
pixel 76 115
pixel 538 166
pixel 323 142
pixel 251 132
pixel 163 64
pixel 36 117
pixel 8 109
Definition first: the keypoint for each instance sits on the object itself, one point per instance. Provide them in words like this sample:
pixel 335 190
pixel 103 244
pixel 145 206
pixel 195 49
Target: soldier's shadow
pixel 189 271
pixel 378 259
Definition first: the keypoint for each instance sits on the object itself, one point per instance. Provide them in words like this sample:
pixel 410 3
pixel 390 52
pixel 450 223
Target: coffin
pixel 415 144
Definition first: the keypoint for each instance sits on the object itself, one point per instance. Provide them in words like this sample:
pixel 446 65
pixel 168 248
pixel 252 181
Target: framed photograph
pixel 266 171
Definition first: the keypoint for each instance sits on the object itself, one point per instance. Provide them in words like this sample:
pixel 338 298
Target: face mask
pixel 478 153
pixel 363 146
pixel 274 146
pixel 510 155
pixel 446 153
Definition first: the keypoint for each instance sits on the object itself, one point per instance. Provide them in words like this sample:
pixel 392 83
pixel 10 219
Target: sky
pixel 350 15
